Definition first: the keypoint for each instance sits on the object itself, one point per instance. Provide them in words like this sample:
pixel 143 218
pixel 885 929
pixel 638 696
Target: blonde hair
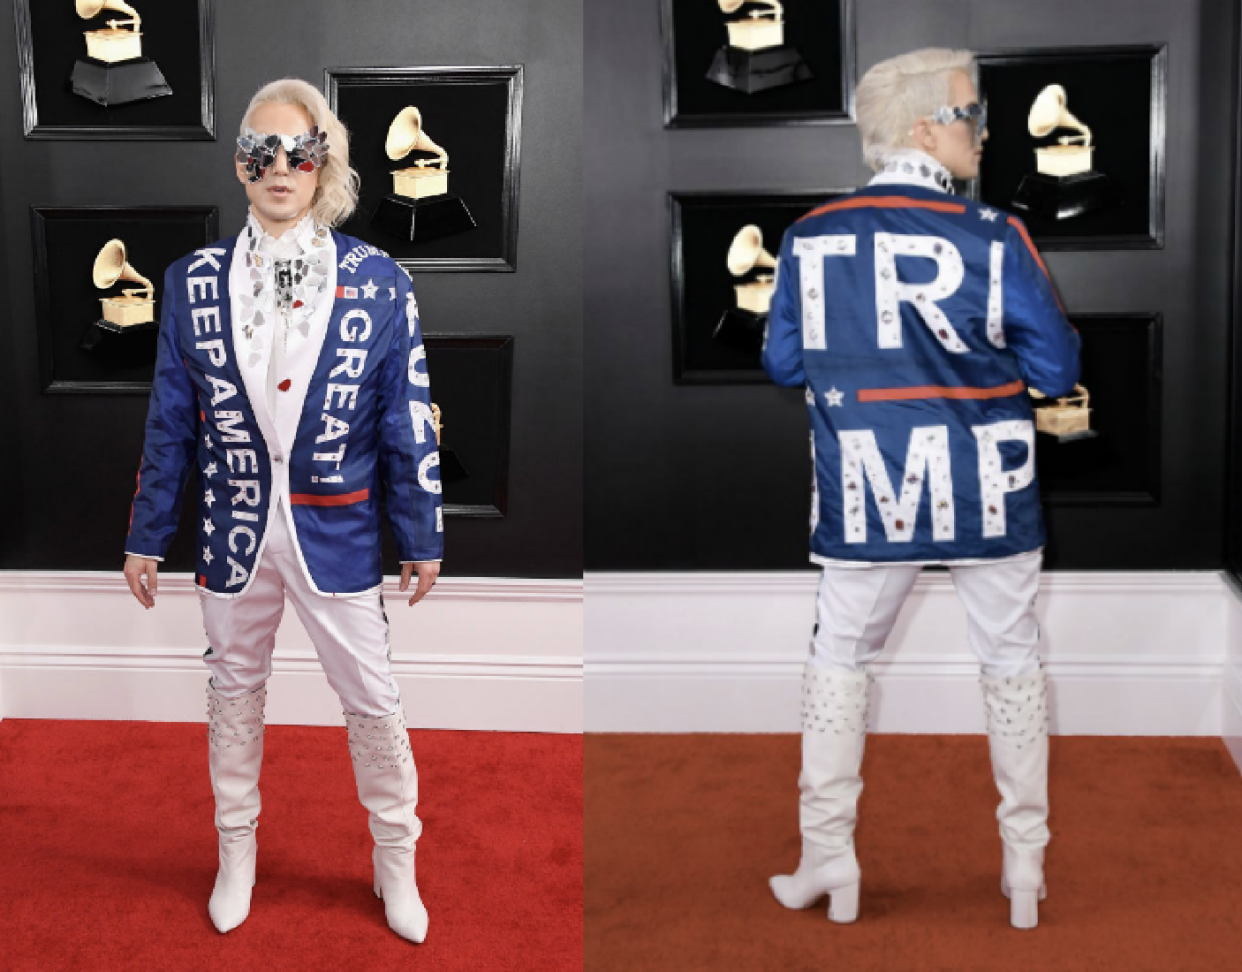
pixel 336 196
pixel 896 93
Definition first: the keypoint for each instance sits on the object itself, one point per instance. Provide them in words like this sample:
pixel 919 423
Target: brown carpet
pixel 1144 869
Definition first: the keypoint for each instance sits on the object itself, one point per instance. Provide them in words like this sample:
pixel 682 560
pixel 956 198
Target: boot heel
pixel 843 904
pixel 1023 908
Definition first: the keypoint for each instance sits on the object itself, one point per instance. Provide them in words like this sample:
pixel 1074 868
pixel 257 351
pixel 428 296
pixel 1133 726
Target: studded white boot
pixel 1017 717
pixel 835 706
pixel 388 788
pixel 235 731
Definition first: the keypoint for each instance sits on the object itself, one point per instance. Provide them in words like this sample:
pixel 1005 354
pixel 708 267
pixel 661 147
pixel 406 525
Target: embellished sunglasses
pixel 306 152
pixel 947 114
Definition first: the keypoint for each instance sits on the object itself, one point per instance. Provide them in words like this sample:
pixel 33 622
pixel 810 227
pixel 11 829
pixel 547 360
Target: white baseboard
pixel 476 653
pixel 1231 694
pixel 1127 654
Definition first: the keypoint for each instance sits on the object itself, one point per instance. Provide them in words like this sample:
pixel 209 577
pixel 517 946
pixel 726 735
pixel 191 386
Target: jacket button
pixel 279 458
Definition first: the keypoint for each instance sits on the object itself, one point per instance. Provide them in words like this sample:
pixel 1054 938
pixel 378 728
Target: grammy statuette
pixel 1064 184
pixel 742 326
pixel 114 72
pixel 420 207
pixel 756 57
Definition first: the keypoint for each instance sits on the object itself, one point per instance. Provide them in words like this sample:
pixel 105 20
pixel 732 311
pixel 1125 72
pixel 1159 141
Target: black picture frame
pixel 66 240
pixel 179 37
pixel 702 224
pixel 1120 94
pixel 472 383
pixel 1122 368
pixel 475 114
pixel 692 31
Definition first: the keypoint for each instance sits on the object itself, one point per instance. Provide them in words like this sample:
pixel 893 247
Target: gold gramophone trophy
pixel 451 468
pixel 757 57
pixel 421 207
pixel 742 325
pixel 1064 184
pixel 114 72
pixel 1069 419
pixel 122 312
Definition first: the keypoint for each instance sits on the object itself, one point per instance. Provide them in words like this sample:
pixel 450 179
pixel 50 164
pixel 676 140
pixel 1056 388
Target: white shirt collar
pixel 293 242
pixel 910 166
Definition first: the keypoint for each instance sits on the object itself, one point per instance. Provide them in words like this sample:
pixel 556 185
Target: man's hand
pixel 135 569
pixel 427 574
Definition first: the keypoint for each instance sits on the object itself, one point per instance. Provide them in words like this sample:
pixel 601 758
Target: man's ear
pixel 923 135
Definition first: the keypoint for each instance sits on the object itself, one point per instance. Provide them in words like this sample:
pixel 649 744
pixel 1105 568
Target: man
pixel 291 379
pixel 917 322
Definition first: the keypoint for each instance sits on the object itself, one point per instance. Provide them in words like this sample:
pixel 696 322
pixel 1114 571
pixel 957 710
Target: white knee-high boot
pixel 388 788
pixel 835 705
pixel 1017 717
pixel 235 731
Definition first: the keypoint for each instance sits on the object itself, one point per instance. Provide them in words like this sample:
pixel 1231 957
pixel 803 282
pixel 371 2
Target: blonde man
pixel 291 381
pixel 916 321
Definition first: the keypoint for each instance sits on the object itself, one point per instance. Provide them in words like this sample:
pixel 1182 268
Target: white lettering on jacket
pixel 351 367
pixel 222 389
pixel 994 480
pixel 430 461
pixel 242 456
pixel 226 424
pixel 208 316
pixel 927 458
pixel 891 291
pixel 201 284
pixel 422 420
pixel 417 377
pixel 333 428
pixel 347 396
pixel 351 333
pixel 247 491
pixel 248 532
pixel 810 251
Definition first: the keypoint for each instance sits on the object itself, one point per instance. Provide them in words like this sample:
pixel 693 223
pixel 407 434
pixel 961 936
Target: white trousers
pixel 350 634
pixel 858 606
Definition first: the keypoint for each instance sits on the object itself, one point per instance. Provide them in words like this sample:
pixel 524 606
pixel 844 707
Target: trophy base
pixel 751 71
pixel 98 332
pixel 741 330
pixel 452 470
pixel 1073 436
pixel 120 83
pixel 420 220
pixel 1063 197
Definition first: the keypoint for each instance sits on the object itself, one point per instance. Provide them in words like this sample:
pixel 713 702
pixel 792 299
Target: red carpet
pixel 1144 869
pixel 108 852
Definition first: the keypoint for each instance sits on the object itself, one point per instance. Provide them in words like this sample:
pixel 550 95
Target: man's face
pixel 954 145
pixel 283 194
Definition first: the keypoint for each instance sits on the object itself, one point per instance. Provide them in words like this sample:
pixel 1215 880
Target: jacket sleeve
pixel 408 454
pixel 1036 329
pixel 782 338
pixel 169 446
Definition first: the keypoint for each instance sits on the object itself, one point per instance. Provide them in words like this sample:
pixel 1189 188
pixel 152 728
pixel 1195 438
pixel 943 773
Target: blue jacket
pixel 916 321
pixel 366 415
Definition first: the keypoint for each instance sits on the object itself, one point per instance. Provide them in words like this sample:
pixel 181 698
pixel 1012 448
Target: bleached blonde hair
pixel 336 196
pixel 896 93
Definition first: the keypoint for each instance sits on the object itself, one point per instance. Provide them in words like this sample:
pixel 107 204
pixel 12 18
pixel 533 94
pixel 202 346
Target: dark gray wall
pixel 69 461
pixel 685 477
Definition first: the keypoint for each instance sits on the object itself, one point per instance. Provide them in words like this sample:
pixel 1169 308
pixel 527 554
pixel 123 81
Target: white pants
pixel 857 607
pixel 350 634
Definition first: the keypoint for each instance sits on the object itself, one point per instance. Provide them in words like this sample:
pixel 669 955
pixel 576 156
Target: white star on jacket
pixel 369 289
pixel 989 215
pixel 835 398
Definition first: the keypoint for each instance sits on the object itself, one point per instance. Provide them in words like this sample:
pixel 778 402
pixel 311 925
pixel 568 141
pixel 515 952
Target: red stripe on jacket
pixel 886 202
pixel 339 499
pixel 938 391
